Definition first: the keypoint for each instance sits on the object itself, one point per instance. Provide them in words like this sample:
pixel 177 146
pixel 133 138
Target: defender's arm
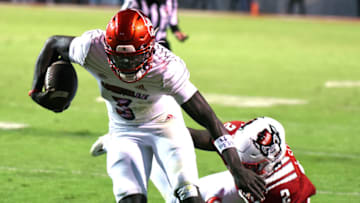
pixel 202 139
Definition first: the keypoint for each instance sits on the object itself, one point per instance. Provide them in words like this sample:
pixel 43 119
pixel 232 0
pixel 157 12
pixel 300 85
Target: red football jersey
pixel 288 183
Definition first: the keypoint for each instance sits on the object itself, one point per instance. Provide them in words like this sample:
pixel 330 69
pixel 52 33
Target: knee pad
pixel 187 191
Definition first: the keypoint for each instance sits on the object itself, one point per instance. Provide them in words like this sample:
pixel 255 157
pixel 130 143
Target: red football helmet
pixel 130 39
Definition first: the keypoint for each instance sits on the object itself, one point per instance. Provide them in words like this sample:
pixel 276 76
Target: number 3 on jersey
pixel 123 108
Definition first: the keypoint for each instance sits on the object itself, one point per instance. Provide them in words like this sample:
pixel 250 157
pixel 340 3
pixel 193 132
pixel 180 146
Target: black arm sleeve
pixel 55 48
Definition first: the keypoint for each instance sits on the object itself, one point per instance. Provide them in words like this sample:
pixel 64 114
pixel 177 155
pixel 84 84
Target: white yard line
pixel 99 99
pixel 342 84
pixel 245 101
pixel 12 126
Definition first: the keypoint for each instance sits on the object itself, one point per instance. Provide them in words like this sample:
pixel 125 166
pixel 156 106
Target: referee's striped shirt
pixel 162 13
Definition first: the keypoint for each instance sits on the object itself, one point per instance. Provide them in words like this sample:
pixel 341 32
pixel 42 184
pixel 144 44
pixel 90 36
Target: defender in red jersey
pixel 262 148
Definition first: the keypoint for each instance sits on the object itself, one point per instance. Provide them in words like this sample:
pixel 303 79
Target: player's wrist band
pixel 224 142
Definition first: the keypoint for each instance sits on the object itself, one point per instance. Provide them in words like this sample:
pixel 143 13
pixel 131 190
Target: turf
pixel 226 54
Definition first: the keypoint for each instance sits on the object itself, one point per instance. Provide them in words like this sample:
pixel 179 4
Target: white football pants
pixel 130 155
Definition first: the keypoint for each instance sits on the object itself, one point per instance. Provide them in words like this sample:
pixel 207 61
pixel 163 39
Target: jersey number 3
pixel 123 109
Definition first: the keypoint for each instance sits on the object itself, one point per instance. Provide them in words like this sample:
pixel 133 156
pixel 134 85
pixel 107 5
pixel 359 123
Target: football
pixel 61 82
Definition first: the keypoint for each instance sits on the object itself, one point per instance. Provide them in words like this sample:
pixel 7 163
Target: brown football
pixel 61 80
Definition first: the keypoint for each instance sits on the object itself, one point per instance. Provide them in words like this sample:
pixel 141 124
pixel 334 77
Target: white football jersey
pixel 145 102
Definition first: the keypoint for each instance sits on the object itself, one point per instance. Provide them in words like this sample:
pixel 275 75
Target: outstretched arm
pixel 202 139
pixel 245 179
pixel 55 48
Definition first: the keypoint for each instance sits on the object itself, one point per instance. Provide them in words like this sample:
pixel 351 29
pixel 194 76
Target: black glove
pixel 47 100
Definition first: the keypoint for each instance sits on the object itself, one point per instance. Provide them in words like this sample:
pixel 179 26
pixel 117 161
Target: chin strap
pixel 131 77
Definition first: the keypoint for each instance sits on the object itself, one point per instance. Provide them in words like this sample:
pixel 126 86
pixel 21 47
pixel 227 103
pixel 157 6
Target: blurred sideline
pixel 193 12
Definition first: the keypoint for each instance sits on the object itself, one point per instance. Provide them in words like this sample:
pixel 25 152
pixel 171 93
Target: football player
pixel 144 85
pixel 262 148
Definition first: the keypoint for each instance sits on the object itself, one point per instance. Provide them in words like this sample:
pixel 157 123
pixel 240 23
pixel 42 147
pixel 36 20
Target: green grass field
pixel 267 57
